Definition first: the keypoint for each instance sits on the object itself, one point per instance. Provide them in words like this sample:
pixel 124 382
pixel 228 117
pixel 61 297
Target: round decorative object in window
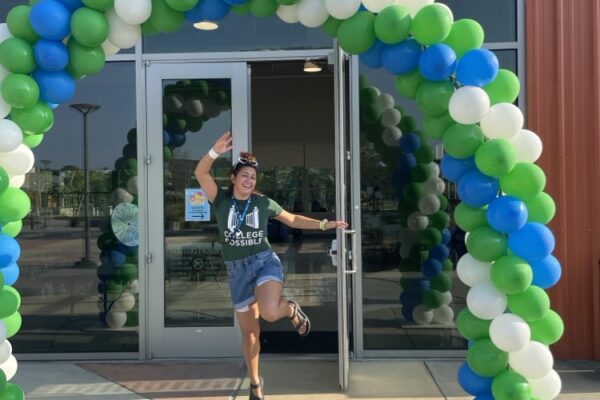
pixel 124 222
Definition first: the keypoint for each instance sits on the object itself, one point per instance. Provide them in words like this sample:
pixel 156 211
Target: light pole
pixel 86 109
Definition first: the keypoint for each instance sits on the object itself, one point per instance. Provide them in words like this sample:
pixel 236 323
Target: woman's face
pixel 244 182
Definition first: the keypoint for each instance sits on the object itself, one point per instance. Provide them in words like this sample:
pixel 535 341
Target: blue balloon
pixel 209 10
pixel 440 252
pixel 533 242
pixel 55 87
pixel 177 139
pixel 507 214
pixel 235 2
pixel 473 383
pixel 432 268
pixel 407 312
pixel 166 138
pixel 11 274
pixel 130 151
pixel 476 189
pixel 401 58
pixel 406 162
pixel 410 142
pixel 546 272
pixel 9 251
pixel 410 300
pixel 437 62
pixel 117 258
pixel 50 19
pixel 372 57
pixel 446 236
pixel 453 169
pixel 71 5
pixel 477 67
pixel 487 396
pixel 51 55
pixel 418 286
pixel 53 105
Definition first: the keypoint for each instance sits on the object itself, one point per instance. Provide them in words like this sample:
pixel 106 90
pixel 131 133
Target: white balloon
pixel 16 181
pixel 443 314
pixel 435 168
pixel 5 351
pixel 386 101
pixel 391 117
pixel 17 162
pixel 429 204
pixel 132 185
pixel 471 271
pixel 342 9
pixel 109 48
pixel 4 107
pixel 469 104
pixel 134 286
pixel 414 6
pixel 116 319
pixel 4 32
pixel 120 33
pixel 509 332
pixel 502 121
pixel 391 135
pixel 528 146
pixel 121 195
pixel 288 14
pixel 125 302
pixel 174 103
pixel 434 186
pixel 547 387
pixel 9 367
pixel 3 331
pixel 422 315
pixel 417 221
pixel 447 298
pixel 312 13
pixel 194 107
pixel 11 135
pixel 133 12
pixel 377 5
pixel 534 361
pixel 485 301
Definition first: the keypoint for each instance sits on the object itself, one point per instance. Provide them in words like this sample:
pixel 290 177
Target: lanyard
pixel 241 216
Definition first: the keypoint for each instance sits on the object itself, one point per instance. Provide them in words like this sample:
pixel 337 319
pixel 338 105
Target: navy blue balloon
pixel 407 313
pixel 409 299
pixel 473 383
pixel 477 67
pixel 440 252
pixel 11 274
pixel 437 62
pixel 487 396
pixel 372 57
pixel 507 214
pixel 446 236
pixel 166 138
pixel 401 58
pixel 476 189
pixel 533 242
pixel 410 142
pixel 210 10
pixel 177 139
pixel 9 251
pixel 55 87
pixel 406 162
pixel 546 272
pixel 130 151
pixel 235 2
pixel 117 258
pixel 71 5
pixel 50 19
pixel 453 169
pixel 432 268
pixel 51 55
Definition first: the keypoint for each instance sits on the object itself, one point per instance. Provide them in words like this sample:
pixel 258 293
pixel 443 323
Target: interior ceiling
pixel 288 68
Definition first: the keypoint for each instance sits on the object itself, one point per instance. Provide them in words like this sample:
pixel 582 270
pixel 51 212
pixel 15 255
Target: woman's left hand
pixel 336 224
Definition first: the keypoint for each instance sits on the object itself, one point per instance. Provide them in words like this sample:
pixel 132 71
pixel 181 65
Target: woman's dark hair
pixel 245 160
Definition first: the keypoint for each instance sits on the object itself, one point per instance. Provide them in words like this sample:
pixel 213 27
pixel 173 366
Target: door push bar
pixel 333 252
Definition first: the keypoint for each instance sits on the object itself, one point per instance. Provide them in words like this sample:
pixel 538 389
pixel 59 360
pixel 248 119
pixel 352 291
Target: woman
pixel 255 272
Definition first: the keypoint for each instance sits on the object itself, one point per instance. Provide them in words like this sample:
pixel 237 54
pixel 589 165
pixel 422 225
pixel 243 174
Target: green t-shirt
pixel 251 238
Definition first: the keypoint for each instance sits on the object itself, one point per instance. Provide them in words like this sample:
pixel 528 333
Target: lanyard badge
pixel 241 216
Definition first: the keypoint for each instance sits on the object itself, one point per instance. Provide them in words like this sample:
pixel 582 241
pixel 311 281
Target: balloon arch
pixel 467 102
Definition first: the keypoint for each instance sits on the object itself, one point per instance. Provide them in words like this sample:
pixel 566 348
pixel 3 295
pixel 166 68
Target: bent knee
pixel 270 314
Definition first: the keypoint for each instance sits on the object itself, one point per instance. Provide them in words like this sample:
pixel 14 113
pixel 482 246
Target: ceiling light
pixel 310 66
pixel 206 25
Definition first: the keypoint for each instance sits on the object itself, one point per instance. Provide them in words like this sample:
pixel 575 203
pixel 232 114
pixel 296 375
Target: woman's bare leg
pixel 270 303
pixel 250 326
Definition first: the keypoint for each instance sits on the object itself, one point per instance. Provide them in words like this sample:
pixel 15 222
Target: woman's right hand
pixel 224 143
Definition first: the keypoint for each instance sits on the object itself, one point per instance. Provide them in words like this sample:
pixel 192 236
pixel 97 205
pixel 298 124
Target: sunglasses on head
pixel 245 161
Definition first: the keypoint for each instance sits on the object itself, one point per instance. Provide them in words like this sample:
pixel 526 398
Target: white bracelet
pixel 213 154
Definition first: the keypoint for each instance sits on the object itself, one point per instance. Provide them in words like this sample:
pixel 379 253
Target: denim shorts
pixel 250 272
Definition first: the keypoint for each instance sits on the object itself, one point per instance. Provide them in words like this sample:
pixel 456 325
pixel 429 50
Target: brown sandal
pixel 304 321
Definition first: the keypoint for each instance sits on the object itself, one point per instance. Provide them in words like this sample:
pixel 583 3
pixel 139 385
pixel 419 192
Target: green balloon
pixel 16 55
pixel 465 35
pixel 20 91
pixel 392 24
pixel 441 283
pixel 33 141
pixel 413 191
pixel 84 60
pixel 182 5
pixel 19 25
pixel 100 5
pixel 34 120
pixel 14 205
pixel 420 173
pixel 485 244
pixel 471 327
pixel 540 208
pixel 432 24
pixel 439 220
pixel 425 154
pixel 430 237
pixel 504 88
pixel 331 26
pixel 12 392
pixel 287 2
pixel 547 330
pixel 357 34
pixel 368 96
pixel 469 218
pixel 509 385
pixel 194 124
pixel 242 9
pixel 167 154
pixel 148 28
pixel 132 136
pixel 462 141
pixel 12 229
pixel 485 359
pixel 2 376
pixel 10 300
pixel 432 298
pixel 262 8
pixel 525 181
pixel 531 305
pixel 511 274
pixel 13 324
pixel 408 84
pixel 408 123
pixel 496 157
pixel 443 202
pixel 433 97
pixel 436 125
pixel 89 27
pixel 448 264
pixel 4 180
pixel 164 18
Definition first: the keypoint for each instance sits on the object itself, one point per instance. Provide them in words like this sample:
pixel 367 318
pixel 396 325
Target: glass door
pixel 190 105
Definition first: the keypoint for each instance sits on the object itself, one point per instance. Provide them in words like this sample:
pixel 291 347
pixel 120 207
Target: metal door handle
pixel 351 252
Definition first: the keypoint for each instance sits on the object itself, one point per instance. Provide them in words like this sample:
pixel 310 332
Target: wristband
pixel 213 154
pixel 323 224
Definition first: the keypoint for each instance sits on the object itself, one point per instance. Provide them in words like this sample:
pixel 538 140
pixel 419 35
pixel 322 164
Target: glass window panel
pixel 73 299
pixel 239 33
